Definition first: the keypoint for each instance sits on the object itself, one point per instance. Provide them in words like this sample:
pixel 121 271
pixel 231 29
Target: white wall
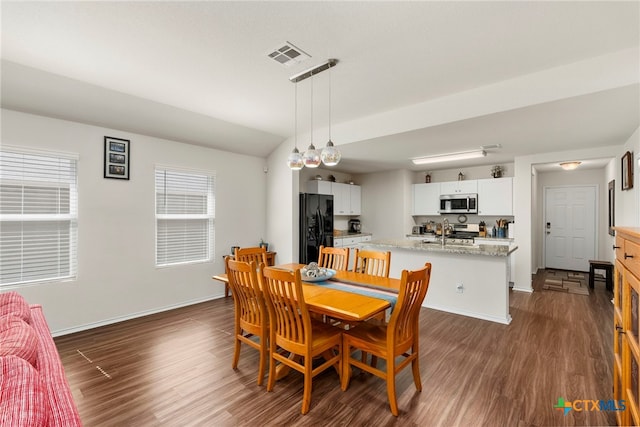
pixel 386 199
pixel 628 201
pixel 471 172
pixel 117 277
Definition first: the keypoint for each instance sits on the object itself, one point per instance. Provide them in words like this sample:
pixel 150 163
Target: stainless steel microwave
pixel 458 203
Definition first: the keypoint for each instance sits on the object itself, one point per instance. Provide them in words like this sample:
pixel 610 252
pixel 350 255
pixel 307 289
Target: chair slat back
pixel 249 300
pixel 334 258
pixel 256 254
pixel 288 314
pixel 402 330
pixel 373 263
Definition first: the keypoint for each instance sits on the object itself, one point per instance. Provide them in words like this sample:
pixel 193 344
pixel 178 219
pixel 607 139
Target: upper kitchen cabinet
pixel 426 199
pixel 346 199
pixel 495 196
pixel 319 187
pixel 459 187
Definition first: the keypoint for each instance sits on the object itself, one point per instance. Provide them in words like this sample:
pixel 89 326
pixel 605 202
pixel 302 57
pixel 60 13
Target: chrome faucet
pixel 444 227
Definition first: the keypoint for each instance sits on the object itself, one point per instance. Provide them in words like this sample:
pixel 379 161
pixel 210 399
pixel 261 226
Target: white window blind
pixel 38 217
pixel 185 207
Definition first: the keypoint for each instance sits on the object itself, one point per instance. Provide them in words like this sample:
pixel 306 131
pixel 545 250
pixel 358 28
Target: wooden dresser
pixel 626 345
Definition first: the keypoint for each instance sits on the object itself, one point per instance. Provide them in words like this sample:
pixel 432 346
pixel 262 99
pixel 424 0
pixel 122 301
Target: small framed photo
pixel 116 158
pixel 627 171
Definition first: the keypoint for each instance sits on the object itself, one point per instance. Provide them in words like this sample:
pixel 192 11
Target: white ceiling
pixel 414 78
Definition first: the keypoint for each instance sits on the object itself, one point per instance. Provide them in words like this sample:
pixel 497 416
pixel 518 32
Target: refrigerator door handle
pixel 321 222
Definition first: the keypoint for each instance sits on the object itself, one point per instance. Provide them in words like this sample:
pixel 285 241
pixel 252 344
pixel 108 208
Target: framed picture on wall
pixel 627 171
pixel 612 206
pixel 116 158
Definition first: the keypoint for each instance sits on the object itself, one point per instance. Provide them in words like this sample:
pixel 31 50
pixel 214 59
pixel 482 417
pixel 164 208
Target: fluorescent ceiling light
pixel 449 157
pixel 569 166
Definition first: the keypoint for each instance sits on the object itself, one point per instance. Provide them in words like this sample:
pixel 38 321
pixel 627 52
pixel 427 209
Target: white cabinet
pixel 346 199
pixel 351 242
pixel 495 196
pixel 319 187
pixel 426 199
pixel 462 187
pixel 356 199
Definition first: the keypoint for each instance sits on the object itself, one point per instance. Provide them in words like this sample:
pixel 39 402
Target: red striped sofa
pixel 33 388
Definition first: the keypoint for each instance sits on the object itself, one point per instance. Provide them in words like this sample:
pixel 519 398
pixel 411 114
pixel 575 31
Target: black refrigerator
pixel 316 225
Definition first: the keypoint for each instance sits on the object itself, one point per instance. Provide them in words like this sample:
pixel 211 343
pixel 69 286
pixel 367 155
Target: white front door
pixel 570 227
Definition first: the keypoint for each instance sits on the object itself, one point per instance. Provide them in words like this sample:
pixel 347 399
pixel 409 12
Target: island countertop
pixel 417 245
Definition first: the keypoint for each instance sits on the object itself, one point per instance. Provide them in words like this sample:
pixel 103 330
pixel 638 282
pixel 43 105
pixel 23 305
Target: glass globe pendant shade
pixel 330 155
pixel 294 161
pixel 311 157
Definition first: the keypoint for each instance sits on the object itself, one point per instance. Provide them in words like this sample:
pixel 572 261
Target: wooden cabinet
pixel 495 196
pixel 462 187
pixel 426 199
pixel 626 323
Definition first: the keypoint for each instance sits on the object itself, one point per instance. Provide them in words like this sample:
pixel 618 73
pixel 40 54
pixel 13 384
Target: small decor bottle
pixel 460 176
pixel 427 178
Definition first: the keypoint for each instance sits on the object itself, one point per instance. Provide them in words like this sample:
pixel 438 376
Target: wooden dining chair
pixel 257 254
pixel 293 332
pixel 250 312
pixel 373 263
pixel 398 338
pixel 334 258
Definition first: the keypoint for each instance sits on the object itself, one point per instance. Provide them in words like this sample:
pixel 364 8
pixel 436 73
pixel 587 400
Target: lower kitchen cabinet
pixel 626 323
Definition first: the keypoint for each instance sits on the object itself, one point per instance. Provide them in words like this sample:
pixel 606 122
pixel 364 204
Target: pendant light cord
pixel 312 109
pixel 329 104
pixel 295 114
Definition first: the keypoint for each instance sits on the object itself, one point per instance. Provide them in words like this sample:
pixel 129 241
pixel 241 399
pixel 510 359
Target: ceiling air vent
pixel 287 54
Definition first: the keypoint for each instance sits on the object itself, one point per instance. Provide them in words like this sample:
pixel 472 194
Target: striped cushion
pixel 17 338
pixel 14 303
pixel 22 399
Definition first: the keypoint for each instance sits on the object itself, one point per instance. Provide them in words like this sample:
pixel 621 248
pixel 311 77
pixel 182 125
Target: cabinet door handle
pixel 619 329
pixel 627 256
pixel 615 247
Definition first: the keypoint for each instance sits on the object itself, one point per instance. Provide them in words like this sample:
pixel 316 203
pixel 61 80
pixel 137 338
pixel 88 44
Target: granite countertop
pixel 416 245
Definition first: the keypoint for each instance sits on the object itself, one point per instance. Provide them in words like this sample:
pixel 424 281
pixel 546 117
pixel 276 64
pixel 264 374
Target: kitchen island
pixel 471 280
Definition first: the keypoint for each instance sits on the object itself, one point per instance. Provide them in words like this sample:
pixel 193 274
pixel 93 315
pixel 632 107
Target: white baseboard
pixel 498 319
pixel 106 322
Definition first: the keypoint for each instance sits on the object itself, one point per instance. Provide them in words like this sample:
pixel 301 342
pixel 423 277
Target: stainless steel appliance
pixel 354 226
pixel 316 225
pixel 458 203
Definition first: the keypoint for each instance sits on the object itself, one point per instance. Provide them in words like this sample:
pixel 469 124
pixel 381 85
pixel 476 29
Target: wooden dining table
pixel 342 304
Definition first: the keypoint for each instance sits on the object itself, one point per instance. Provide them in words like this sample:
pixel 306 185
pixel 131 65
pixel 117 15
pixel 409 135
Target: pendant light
pixel 330 155
pixel 311 157
pixel 294 161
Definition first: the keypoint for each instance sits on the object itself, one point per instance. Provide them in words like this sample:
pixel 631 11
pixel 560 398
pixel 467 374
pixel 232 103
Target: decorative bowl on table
pixel 314 273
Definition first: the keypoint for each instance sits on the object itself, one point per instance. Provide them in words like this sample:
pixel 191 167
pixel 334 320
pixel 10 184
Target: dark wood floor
pixel 174 369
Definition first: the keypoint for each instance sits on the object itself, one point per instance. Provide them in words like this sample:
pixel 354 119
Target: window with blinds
pixel 185 207
pixel 38 217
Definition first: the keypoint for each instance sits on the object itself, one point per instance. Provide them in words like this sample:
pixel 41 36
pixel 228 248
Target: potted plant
pixel 264 244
